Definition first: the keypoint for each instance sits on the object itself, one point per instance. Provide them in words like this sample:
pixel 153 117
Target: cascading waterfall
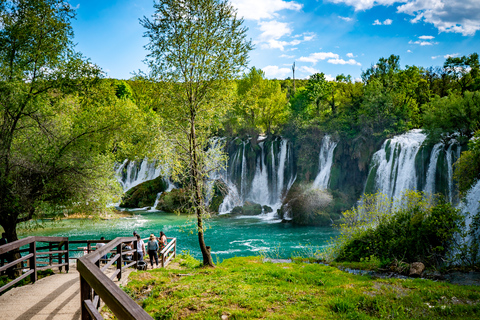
pixel 471 204
pixel 325 162
pixel 259 192
pixel 395 164
pixel 267 183
pixel 282 157
pixel 132 173
pixel 432 168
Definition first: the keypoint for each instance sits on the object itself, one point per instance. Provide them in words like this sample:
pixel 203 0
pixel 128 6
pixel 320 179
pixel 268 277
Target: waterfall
pixel 432 169
pixel 156 202
pixel 282 156
pixel 132 173
pixel 250 178
pixel 325 161
pixel 395 163
pixel 259 192
pixel 471 205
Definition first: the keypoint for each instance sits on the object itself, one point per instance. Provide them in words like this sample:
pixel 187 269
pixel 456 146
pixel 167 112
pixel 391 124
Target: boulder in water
pixel 252 209
pixel 267 209
pixel 174 201
pixel 144 194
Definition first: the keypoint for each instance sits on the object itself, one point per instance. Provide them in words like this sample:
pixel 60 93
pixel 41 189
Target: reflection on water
pixel 228 237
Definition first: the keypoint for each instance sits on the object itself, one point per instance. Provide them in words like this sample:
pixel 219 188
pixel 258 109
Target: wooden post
pixel 85 294
pixel 50 257
pixel 175 248
pixel 33 262
pixel 67 257
pixel 60 255
pixel 89 247
pixel 119 261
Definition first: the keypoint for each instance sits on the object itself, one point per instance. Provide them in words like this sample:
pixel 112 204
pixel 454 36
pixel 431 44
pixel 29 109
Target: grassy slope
pixel 246 288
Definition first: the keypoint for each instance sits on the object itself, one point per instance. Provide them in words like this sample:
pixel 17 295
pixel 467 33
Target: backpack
pixel 152 245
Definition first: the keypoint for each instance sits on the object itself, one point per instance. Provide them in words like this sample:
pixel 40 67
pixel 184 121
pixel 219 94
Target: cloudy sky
pixel 329 36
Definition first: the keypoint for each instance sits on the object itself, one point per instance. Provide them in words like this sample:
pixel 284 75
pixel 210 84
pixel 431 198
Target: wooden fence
pixel 96 285
pixel 53 253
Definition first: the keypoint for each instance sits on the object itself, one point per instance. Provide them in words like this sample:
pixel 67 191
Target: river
pixel 227 236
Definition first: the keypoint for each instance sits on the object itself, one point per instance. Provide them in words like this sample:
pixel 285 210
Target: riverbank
pixel 248 288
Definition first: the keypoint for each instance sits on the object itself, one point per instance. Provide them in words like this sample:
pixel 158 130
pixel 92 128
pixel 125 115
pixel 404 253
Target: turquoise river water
pixel 227 236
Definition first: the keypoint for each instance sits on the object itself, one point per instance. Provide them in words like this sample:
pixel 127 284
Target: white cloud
pixel 350 55
pixel 409 51
pixel 329 77
pixel 459 16
pixel 347 19
pixel 341 61
pixel 315 57
pixel 286 56
pixel 276 72
pixel 387 22
pixel 362 5
pixel 453 55
pixel 308 70
pixel 273 30
pixel 422 43
pixel 426 37
pixel 263 9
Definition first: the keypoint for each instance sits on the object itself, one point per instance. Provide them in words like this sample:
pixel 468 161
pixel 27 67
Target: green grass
pixel 247 288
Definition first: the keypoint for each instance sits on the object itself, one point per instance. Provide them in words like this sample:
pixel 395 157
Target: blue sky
pixel 329 36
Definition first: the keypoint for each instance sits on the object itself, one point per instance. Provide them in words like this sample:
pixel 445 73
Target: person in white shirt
pixel 140 248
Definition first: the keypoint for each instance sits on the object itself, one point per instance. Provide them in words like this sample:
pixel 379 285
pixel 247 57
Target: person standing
pixel 140 248
pixel 152 247
pixel 162 241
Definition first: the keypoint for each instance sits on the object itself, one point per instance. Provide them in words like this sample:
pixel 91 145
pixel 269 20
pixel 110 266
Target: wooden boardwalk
pixel 56 297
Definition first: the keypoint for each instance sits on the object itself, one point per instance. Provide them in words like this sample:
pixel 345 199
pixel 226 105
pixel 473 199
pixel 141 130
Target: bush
pixel 416 229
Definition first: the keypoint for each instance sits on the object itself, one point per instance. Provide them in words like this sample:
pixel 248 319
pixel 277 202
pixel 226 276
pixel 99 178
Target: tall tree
pixel 57 119
pixel 197 46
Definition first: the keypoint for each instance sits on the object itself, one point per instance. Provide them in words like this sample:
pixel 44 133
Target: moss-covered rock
pixel 308 206
pixel 252 209
pixel 220 191
pixel 144 194
pixel 267 209
pixel 176 200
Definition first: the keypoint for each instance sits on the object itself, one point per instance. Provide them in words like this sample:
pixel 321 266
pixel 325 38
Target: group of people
pixel 153 247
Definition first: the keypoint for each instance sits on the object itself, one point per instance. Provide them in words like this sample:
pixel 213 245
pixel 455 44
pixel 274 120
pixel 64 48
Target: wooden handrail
pixel 92 277
pixel 31 257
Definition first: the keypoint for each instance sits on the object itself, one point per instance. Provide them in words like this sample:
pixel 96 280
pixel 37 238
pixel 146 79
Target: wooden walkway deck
pixel 56 297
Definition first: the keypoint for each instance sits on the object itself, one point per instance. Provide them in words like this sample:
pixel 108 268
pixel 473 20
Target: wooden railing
pixel 96 285
pixel 36 258
pixel 169 252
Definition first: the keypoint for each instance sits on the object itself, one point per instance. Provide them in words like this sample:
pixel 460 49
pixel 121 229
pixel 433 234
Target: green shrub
pixel 416 230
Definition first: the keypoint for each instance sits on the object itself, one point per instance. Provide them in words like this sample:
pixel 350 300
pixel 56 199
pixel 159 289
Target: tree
pixel 467 167
pixel 58 119
pixel 197 46
pixel 261 102
pixel 318 90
